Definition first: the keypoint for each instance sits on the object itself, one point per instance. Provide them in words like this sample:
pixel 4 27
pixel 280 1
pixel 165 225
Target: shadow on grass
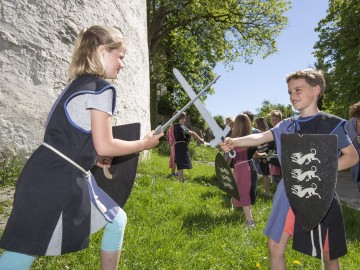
pixel 193 223
pixel 352 221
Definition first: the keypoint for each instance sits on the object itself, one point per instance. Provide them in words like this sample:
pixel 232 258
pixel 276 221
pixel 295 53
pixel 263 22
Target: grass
pixel 173 225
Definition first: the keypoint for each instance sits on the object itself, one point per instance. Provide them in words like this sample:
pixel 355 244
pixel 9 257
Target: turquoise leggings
pixel 111 241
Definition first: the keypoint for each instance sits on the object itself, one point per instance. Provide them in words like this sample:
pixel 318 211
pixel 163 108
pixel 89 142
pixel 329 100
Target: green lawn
pixel 173 225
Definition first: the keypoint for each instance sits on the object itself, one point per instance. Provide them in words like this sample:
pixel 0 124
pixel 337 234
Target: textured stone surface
pixel 36 41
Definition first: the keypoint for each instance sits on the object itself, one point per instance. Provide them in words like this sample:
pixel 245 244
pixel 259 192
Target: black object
pixel 123 168
pixel 225 179
pixel 309 165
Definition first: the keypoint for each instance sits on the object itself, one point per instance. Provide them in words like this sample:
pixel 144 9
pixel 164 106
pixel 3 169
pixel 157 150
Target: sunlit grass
pixel 190 225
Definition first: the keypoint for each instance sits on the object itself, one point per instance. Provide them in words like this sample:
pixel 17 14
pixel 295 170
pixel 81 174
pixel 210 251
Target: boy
pixel 305 87
pixel 275 171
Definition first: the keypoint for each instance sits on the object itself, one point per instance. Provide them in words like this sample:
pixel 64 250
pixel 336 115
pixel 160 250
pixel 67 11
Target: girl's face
pixel 182 121
pixel 113 61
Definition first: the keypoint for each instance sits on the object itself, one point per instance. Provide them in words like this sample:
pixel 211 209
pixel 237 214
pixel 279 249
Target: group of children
pixel 57 204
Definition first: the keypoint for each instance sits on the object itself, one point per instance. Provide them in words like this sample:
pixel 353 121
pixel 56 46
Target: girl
pixel 57 203
pixel 261 154
pixel 244 168
pixel 182 137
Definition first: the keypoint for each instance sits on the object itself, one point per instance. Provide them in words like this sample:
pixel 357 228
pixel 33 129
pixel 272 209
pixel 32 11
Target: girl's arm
pixel 349 157
pixel 247 141
pixel 106 145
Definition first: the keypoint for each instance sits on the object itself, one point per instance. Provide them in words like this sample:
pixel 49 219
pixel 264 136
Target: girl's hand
pixel 151 140
pixel 227 145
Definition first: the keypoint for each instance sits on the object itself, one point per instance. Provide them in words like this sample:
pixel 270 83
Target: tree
pixel 338 54
pixel 267 107
pixel 194 35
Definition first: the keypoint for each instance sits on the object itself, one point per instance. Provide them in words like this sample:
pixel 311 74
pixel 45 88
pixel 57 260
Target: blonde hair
pixel 242 126
pixel 86 59
pixel 276 113
pixel 229 121
pixel 312 76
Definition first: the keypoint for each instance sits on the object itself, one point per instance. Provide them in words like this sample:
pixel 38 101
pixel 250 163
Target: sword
pixel 216 130
pixel 193 99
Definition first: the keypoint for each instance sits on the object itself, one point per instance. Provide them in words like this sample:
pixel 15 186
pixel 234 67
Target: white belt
pixel 99 204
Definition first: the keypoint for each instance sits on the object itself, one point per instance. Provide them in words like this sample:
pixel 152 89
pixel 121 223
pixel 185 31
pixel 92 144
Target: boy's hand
pixel 227 145
pixel 151 140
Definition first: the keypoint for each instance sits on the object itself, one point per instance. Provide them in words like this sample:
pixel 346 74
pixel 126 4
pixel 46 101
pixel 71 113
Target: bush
pixel 10 169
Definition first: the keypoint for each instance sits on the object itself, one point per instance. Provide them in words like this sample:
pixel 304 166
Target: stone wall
pixel 36 41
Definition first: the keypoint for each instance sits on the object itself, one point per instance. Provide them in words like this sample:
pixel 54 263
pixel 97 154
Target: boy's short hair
pixel 86 59
pixel 312 76
pixel 355 110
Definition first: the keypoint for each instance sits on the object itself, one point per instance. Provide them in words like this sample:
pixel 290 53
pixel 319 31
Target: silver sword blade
pixel 193 99
pixel 217 131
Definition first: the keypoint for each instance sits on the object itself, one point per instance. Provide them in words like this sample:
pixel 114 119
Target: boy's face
pixel 302 95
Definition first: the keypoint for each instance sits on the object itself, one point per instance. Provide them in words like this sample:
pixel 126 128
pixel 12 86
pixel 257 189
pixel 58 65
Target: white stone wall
pixel 36 41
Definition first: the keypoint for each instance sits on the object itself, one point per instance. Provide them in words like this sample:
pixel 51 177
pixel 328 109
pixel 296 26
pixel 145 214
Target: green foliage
pixel 10 169
pixel 267 107
pixel 195 35
pixel 199 152
pixel 338 54
pixel 220 121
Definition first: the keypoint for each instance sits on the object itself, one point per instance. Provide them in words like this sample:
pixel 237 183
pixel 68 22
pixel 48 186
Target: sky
pixel 248 85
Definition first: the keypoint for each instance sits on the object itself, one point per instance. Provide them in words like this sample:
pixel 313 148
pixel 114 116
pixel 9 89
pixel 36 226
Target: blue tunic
pixel 276 222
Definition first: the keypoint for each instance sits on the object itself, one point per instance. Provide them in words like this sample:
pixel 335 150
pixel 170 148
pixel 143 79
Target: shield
pixel 123 168
pixel 225 178
pixel 309 165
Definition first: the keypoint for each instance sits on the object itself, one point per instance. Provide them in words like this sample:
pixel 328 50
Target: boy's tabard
pixel 123 168
pixel 225 178
pixel 309 166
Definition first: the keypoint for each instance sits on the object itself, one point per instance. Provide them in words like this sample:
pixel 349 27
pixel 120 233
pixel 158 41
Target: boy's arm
pixel 247 141
pixel 349 157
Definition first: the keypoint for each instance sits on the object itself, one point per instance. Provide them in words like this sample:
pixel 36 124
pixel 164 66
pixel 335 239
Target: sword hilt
pixel 232 153
pixel 157 130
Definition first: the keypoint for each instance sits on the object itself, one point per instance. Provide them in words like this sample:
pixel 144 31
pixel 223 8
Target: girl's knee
pixel 114 233
pixel 118 223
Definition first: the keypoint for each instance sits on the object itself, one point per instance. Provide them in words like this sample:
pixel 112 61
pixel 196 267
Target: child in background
pixel 182 137
pixel 305 87
pixel 57 203
pixel 244 168
pixel 353 129
pixel 261 154
pixel 171 138
pixel 275 171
